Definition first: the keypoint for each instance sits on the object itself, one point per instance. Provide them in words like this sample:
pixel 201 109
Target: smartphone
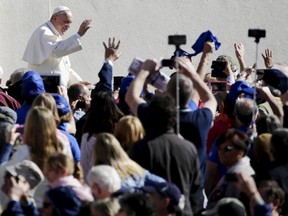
pixel 257 33
pixel 168 63
pixel 159 80
pixel 135 66
pixel 176 39
pixel 51 82
pixel 117 82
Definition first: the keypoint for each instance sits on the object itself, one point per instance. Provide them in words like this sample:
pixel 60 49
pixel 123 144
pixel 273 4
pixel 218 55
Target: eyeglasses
pixel 46 204
pixel 227 148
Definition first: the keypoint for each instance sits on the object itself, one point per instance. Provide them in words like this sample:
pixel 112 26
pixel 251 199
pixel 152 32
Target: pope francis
pixel 46 52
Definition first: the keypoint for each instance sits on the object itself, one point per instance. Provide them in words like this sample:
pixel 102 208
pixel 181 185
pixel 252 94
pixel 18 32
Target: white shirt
pixel 46 52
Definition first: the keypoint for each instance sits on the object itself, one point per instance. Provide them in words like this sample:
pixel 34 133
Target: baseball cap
pixel 7 115
pixel 224 58
pixel 64 201
pixel 62 104
pixel 227 206
pixel 32 84
pixel 29 170
pixel 60 8
pixel 238 88
pixel 166 189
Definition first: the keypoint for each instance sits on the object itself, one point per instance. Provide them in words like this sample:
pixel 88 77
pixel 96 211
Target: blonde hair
pixel 105 207
pixel 128 131
pixel 108 151
pixel 46 100
pixel 40 135
pixel 59 161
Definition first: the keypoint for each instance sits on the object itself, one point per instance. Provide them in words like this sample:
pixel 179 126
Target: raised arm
pixel 204 92
pixel 106 73
pixel 133 96
pixel 204 61
pixel 239 52
pixel 265 93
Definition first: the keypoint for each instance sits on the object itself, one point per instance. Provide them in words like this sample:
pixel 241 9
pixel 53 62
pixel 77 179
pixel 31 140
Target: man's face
pixel 87 98
pixel 62 21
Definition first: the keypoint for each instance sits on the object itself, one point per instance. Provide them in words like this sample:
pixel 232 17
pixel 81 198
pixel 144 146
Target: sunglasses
pixel 46 204
pixel 228 148
pixel 9 175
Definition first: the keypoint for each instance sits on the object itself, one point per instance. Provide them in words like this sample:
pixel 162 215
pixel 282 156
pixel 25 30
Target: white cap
pixel 60 8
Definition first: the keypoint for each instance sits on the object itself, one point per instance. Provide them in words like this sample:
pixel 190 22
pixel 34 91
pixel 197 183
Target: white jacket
pixel 46 52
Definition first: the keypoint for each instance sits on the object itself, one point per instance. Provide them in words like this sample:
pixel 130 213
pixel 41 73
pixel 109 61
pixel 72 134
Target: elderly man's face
pixel 62 21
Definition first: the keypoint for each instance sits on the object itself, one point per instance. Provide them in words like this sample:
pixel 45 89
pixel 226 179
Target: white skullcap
pixel 60 8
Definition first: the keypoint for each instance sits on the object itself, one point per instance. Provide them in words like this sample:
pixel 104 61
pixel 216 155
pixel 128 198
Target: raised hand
pixel 149 65
pixel 111 51
pixel 186 66
pixel 239 50
pixel 267 57
pixel 86 24
pixel 208 47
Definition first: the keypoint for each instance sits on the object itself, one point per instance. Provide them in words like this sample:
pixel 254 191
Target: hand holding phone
pixel 135 66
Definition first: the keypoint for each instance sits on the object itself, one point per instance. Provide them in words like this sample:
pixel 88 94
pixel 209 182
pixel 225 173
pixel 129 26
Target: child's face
pixel 51 174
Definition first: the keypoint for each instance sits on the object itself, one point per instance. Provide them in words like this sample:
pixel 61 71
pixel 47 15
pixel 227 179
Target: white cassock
pixel 46 52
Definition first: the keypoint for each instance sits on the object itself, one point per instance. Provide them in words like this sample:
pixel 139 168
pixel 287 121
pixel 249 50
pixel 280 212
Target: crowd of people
pixel 189 148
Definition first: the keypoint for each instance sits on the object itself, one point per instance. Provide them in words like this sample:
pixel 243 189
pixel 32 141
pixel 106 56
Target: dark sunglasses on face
pixel 9 175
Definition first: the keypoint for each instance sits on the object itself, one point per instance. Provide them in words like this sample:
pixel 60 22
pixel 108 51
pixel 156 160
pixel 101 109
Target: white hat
pixel 60 8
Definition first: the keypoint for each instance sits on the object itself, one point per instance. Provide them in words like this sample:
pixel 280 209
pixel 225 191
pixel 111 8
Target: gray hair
pixel 185 88
pixel 105 176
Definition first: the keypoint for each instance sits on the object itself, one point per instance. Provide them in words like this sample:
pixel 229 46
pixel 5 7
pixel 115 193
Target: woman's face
pixel 229 154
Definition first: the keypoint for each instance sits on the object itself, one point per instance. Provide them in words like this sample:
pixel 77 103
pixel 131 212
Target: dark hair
pixel 279 145
pixel 235 137
pixel 161 113
pixel 272 192
pixel 75 90
pixel 103 114
pixel 267 124
pixel 138 203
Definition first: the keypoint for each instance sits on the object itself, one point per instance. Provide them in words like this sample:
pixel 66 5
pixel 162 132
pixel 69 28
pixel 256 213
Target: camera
pixel 135 66
pixel 168 63
pixel 51 82
pixel 177 40
pixel 257 33
pixel 218 69
pixel 218 65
